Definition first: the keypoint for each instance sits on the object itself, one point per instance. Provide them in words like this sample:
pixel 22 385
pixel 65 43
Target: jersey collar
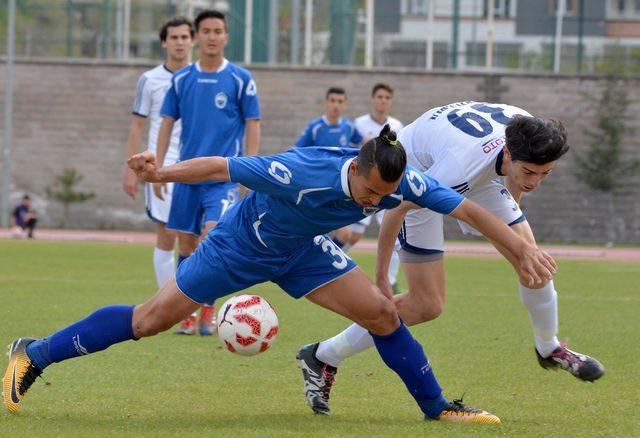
pixel 224 64
pixel 344 176
pixel 326 121
pixel 376 122
pixel 499 159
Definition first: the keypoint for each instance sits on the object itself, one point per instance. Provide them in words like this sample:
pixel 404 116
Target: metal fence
pixel 554 35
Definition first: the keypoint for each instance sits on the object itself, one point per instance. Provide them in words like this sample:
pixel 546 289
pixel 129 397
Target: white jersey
pixel 369 128
pixel 460 143
pixel 152 87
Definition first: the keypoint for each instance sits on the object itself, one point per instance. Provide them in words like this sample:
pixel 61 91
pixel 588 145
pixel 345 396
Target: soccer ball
pixel 247 325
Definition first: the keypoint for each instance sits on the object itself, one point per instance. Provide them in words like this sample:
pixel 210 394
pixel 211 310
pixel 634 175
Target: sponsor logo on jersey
pixel 493 144
pixel 343 140
pixel 221 100
pixel 280 172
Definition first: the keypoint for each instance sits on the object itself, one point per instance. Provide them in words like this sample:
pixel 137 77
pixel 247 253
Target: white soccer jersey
pixel 460 143
pixel 152 86
pixel 369 128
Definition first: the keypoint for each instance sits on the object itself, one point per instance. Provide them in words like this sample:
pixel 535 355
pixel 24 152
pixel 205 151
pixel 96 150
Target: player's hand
pixel 160 189
pixel 385 286
pixel 144 166
pixel 130 182
pixel 537 267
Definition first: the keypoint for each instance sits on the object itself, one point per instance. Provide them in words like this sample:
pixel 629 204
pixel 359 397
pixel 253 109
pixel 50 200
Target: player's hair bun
pixel 389 136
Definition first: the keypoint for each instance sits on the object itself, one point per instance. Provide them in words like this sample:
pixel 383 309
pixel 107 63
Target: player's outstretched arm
pixel 194 170
pixel 389 229
pixel 533 265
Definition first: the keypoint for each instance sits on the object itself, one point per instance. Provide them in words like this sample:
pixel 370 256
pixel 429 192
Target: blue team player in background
pixel 276 234
pixel 216 101
pixel 331 129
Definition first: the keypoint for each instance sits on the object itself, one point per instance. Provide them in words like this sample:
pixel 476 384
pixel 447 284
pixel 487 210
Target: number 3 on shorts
pixel 340 258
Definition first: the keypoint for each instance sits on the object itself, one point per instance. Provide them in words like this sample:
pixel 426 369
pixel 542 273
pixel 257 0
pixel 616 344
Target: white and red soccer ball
pixel 247 324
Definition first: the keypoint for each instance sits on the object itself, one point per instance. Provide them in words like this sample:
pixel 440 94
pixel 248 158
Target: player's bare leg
pixel 104 327
pixel 355 297
pixel 207 323
pixel 342 237
pixel 187 244
pixel 163 258
pixel 424 301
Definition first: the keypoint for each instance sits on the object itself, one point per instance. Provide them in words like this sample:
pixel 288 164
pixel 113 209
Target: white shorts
pixel 158 209
pixel 422 231
pixel 360 226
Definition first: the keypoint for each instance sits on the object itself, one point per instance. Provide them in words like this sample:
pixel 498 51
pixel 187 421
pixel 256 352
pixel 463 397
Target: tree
pixel 604 166
pixel 66 195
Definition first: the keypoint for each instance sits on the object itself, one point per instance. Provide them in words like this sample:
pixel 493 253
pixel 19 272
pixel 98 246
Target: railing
pixel 422 34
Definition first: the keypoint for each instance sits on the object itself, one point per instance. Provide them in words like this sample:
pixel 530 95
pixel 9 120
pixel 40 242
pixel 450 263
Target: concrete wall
pixel 76 114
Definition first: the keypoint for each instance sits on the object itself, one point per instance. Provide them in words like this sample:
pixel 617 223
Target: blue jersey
pixel 213 108
pixel 320 133
pixel 304 192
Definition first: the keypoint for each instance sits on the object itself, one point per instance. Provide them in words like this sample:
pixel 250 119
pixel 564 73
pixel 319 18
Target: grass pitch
pixel 169 385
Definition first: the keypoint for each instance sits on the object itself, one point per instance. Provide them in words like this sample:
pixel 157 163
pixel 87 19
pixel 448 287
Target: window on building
pixel 621 6
pixel 415 7
pixel 570 7
pixel 501 8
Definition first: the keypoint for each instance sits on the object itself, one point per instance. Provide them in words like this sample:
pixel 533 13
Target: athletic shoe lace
pixel 29 377
pixel 329 377
pixel 458 407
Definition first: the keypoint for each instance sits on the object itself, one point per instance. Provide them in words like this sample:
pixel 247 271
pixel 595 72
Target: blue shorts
pixel 225 262
pixel 194 205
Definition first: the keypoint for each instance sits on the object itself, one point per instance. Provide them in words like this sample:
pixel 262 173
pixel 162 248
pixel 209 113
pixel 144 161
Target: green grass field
pixel 169 386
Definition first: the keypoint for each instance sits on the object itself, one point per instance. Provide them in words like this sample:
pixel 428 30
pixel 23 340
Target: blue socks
pixel 404 355
pixel 98 331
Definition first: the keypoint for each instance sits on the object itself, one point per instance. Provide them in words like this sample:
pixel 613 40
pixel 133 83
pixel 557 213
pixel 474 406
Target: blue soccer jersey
pixel 304 192
pixel 213 108
pixel 276 232
pixel 320 133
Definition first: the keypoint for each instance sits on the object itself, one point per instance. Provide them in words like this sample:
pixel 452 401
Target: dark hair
pixel 25 197
pixel 175 22
pixel 210 13
pixel 384 152
pixel 381 86
pixel 335 90
pixel 536 140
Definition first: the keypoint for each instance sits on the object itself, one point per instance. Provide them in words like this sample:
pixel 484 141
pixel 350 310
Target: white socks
pixel 345 344
pixel 394 267
pixel 542 305
pixel 164 265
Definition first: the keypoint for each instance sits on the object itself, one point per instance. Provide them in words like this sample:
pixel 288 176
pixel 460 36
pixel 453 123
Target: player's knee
pixel 423 309
pixel 149 321
pixel 431 312
pixel 165 239
pixel 383 319
pixel 354 238
pixel 186 248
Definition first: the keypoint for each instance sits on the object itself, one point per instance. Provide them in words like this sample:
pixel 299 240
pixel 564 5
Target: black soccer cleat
pixel 318 378
pixel 579 365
